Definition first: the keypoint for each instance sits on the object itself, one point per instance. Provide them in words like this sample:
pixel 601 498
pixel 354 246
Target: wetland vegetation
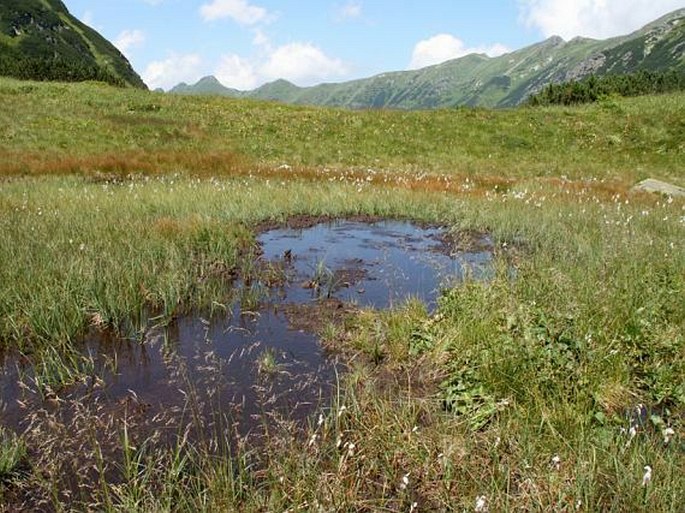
pixel 551 386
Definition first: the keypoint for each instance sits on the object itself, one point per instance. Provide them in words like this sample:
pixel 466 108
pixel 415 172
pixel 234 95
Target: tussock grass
pixel 548 388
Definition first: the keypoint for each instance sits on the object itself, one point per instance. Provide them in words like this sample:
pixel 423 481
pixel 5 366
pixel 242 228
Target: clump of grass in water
pixel 59 367
pixel 324 281
pixel 267 362
pixel 12 454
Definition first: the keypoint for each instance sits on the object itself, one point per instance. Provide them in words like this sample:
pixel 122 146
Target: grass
pixel 522 391
pixel 267 362
pixel 12 452
pixel 86 128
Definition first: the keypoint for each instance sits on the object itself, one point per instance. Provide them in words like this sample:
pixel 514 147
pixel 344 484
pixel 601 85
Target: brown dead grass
pixel 225 163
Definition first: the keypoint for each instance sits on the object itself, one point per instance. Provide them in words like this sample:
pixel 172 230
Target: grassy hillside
pixel 41 40
pixel 550 387
pixel 60 128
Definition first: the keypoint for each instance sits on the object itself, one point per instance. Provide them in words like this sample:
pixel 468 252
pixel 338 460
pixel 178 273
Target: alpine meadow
pixel 153 356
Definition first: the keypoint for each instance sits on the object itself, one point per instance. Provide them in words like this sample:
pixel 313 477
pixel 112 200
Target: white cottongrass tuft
pixel 350 449
pixel 647 477
pixel 632 433
pixel 555 462
pixel 481 504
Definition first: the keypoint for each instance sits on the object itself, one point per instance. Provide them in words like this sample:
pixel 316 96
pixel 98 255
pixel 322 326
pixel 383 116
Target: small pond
pixel 260 355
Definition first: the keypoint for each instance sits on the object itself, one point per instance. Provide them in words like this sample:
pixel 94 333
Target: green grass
pixel 12 452
pixel 478 399
pixel 84 128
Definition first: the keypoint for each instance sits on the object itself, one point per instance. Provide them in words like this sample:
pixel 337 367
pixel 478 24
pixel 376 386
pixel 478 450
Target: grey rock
pixel 587 67
pixel 657 186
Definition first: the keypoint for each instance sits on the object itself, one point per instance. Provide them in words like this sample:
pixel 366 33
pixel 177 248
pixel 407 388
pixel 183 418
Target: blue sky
pixel 246 43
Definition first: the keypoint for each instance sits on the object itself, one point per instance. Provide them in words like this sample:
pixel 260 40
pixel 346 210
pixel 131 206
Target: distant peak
pixel 581 39
pixel 209 79
pixel 281 81
pixel 554 40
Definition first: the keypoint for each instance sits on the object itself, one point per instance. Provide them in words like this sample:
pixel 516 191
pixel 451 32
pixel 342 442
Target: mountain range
pixel 41 40
pixel 479 80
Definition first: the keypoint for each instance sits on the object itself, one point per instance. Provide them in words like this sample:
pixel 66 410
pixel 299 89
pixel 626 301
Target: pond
pixel 261 355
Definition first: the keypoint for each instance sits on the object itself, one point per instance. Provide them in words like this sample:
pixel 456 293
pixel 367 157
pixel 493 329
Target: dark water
pixel 388 262
pixel 205 367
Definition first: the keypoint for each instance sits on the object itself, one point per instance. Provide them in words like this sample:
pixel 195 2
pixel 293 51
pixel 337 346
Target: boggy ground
pixel 520 393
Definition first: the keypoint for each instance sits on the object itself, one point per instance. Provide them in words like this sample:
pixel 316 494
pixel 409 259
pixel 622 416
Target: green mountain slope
pixel 481 80
pixel 41 40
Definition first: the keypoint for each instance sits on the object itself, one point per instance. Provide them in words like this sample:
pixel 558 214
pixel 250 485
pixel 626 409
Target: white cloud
pixel 302 63
pixel 238 10
pixel 349 11
pixel 172 70
pixel 592 18
pixel 234 71
pixel 261 40
pixel 129 39
pixel 444 47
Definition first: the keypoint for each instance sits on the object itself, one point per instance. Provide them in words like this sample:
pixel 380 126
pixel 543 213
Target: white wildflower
pixel 647 477
pixel 481 503
pixel 404 482
pixel 668 433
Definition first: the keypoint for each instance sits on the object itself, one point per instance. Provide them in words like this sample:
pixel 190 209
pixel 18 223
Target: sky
pixel 246 43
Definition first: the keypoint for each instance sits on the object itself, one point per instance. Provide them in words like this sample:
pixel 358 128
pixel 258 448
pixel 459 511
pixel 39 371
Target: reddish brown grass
pixel 224 163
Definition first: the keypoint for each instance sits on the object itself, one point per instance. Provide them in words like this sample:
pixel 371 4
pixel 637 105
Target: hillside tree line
pixel 593 88
pixel 33 68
